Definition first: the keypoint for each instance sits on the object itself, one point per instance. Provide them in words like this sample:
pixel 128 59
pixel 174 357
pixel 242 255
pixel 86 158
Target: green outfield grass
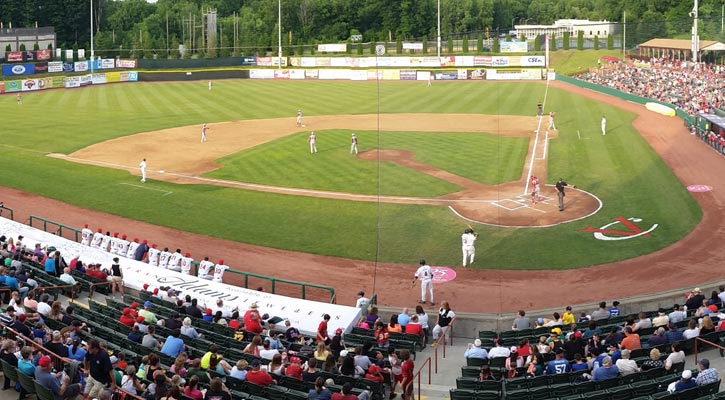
pixel 620 168
pixel 571 62
pixel 485 158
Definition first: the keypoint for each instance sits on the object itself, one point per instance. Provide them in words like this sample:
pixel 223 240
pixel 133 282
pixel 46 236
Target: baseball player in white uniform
pixel 299 117
pixel 164 258
pixel 154 254
pixel 203 133
pixel 468 241
pixel 106 244
pixel 219 271
pixel 604 125
pixel 175 261
pixel 210 86
pixel 131 252
pixel 86 235
pixel 552 126
pixel 122 246
pixel 186 262
pixel 425 275
pixel 313 143
pixel 142 166
pixel 353 145
pixel 204 268
pixel 113 249
pixel 97 239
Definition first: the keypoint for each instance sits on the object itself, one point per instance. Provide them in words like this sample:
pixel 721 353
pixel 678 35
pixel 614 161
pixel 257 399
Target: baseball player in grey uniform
pixel 353 145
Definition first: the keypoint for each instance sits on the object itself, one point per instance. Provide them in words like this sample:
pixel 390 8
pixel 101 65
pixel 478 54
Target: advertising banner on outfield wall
pixel 72 82
pixel 133 76
pixel 297 74
pixel 86 80
pixel 2 87
pixel 42 55
pixel 464 61
pixel 462 74
pixel 332 48
pixel 413 46
pixel 13 86
pixel 18 69
pixel 423 75
pixel 446 76
pixel 358 75
pixel 41 68
pixel 69 67
pixel 482 61
pixel 108 63
pixel 425 62
pixel 56 82
pixel 391 74
pixel 112 77
pixel 261 74
pixel 499 61
pixel 533 61
pixel 55 66
pixel 322 62
pixel 312 74
pixel 308 62
pixel 477 74
pixel 249 61
pixel 448 61
pixel 514 47
pixel 29 55
pixel 30 85
pixel 121 63
pixel 80 66
pixel 281 74
pixel 98 79
pixel 14 56
pixel 407 75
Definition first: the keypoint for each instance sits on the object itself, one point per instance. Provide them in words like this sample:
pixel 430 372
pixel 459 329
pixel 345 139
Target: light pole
pixel 439 29
pixel 92 37
pixel 695 38
pixel 279 34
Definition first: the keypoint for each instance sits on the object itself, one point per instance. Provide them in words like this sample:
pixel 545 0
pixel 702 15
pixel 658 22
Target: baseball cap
pixel 705 363
pixel 134 305
pixel 124 236
pixel 559 350
pixel 338 331
pixel 145 241
pixel 374 369
pixel 208 311
pixel 255 363
pixel 578 335
pixel 568 308
pixel 296 360
pixel 556 330
pixel 126 311
pixel 145 286
pixel 22 317
pixel 686 374
pixel 477 342
pixel 147 304
pixel 140 319
pixel 113 359
pixel 187 254
pixel 221 262
pixel 44 362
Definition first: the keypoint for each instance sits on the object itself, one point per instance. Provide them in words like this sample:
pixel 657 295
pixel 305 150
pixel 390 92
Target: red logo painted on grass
pixel 604 233
pixel 699 188
pixel 443 274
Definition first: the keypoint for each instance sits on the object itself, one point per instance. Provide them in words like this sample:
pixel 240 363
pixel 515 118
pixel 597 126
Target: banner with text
pixel 18 69
pixel 332 48
pixel 514 47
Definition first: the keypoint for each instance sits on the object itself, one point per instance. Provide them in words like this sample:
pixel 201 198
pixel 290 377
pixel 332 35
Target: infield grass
pixel 620 168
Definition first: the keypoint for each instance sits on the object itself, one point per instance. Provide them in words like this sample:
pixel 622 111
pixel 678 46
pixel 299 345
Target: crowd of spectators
pixel 692 87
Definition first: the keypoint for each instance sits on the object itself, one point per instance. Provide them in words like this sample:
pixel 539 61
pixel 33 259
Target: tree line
pixel 248 27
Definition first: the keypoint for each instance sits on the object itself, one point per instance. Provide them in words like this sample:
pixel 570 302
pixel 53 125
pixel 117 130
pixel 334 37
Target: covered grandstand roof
pixel 681 44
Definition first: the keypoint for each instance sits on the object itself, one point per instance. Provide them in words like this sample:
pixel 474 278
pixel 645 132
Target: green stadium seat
pixel 522 394
pixel 26 382
pixel 42 392
pixel 487 395
pixel 710 388
pixel 476 362
pixel 462 394
pixel 620 392
pixel 561 390
pixel 644 388
pixel 571 397
pixel 539 393
pixel 467 383
pixel 596 395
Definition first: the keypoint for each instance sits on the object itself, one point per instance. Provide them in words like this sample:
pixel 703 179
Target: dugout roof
pixel 714 120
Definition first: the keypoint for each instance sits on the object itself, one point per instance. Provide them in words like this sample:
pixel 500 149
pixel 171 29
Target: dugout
pixel 710 122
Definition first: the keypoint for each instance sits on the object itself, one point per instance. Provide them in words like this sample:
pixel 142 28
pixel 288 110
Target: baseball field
pixel 431 161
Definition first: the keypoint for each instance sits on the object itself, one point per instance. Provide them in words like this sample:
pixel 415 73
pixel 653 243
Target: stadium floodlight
pixel 695 37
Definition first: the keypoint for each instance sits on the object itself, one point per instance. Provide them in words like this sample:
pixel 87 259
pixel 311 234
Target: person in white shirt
pixel 164 258
pixel 86 235
pixel 122 246
pixel 43 306
pixel 204 268
pixel 625 365
pixel 661 319
pixel 219 270
pixel 677 356
pixel 154 254
pixel 604 125
pixel 186 263
pixel 498 350
pixel 142 166
pixel 175 261
pixel 468 240
pixel 313 143
pixel 97 239
pixel 692 330
pixel 220 307
pixel 677 315
pixel 106 242
pixel 267 352
pixel 425 275
pixel 131 252
pixel 362 301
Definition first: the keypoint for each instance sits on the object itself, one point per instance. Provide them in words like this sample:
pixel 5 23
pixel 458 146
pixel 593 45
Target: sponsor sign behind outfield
pixel 18 69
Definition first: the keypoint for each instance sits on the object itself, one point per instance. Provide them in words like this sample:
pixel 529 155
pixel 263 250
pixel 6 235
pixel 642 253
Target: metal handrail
pixel 698 339
pixel 94 285
pixel 12 213
pixel 59 231
pixel 443 337
pixel 417 374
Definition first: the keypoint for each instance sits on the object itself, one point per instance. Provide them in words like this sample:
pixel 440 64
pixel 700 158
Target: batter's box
pixel 509 204
pixel 526 198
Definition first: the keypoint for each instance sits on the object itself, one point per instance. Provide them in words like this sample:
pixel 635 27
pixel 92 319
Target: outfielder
pixel 604 125
pixel 86 235
pixel 353 146
pixel 313 143
pixel 203 133
pixel 210 86
pixel 299 117
pixel 551 121
pixel 142 165
pixel 425 275
pixel 468 241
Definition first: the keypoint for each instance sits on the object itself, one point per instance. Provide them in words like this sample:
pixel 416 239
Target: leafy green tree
pixel 348 47
pixel 537 43
pixel 425 44
pixel 36 46
pixel 596 42
pixel 22 46
pixel 566 40
pixel 479 44
pixel 496 47
pixel 8 48
pixel 610 42
pixel 75 51
pixel 552 43
pixel 359 48
pixel 450 44
pixel 580 40
pixel 465 44
pixel 398 46
pixel 372 47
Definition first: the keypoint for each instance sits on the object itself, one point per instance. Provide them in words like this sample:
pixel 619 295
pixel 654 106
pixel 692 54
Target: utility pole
pixel 439 29
pixel 624 37
pixel 695 37
pixel 92 37
pixel 279 34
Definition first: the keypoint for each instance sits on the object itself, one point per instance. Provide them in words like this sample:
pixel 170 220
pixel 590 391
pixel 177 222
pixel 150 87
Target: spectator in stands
pixel 554 342
pixel 485 374
pixel 100 371
pixel 614 309
pixel 661 319
pixel 414 327
pixel 362 361
pixel 131 383
pixel 592 330
pixel 291 333
pixel 141 251
pixel 631 340
pixel 7 354
pixel 346 393
pixel 408 368
pixel 542 345
pixel 68 279
pixel 372 316
pixel 574 346
pixel 226 313
pixel 218 319
pixel 654 361
pixel 579 364
pixel 706 326
pixel 188 330
pixel 374 374
pixel 423 319
pixel 513 361
pixel 683 384
pixel 474 350
pixel 254 347
pixel 320 391
pixel 704 309
pixel 721 295
pixel 50 265
pixel 393 325
pixel 192 389
pixel 445 317
pixel 43 306
pixel 559 365
pixel 404 318
pixel 239 370
pixel 217 390
pixel 257 376
pixel 694 299
pixel 253 320
pixel 568 317
pixel 362 301
pixel 676 356
pixel 56 345
pixel 149 340
pixel 235 322
pixel 20 327
pixel 605 371
pixel 126 318
pixel 135 335
pixel 381 334
pixel 320 354
pixel 148 316
pixel 336 345
pixel 12 282
pixel 642 323
pixel 62 389
pixel 193 310
pixel 707 375
pixel 692 330
pixel 498 350
pixel 173 345
pixel 601 313
pixel 25 361
pixel 625 365
pixel 657 338
pixel 294 369
pixel 322 330
pixel 521 322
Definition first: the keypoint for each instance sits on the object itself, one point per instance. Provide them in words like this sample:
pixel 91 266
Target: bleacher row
pixel 103 321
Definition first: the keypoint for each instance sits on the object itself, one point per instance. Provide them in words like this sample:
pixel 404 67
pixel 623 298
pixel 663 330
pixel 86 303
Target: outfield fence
pixel 248 280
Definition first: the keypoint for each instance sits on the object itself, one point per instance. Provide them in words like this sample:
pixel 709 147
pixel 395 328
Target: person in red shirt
pixel 346 393
pixel 414 327
pixel 322 330
pixel 126 318
pixel 252 320
pixel 294 370
pixel 381 335
pixel 259 377
pixel 374 374
pixel 408 367
pixel 134 309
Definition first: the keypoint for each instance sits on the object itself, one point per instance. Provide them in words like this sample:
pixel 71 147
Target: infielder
pixel 313 143
pixel 551 121
pixel 142 165
pixel 353 146
pixel 299 117
pixel 203 133
pixel 425 275
pixel 468 241
pixel 210 86
pixel 604 125
pixel 86 235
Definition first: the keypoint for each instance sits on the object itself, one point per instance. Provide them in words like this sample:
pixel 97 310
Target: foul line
pixel 536 140
pixel 148 188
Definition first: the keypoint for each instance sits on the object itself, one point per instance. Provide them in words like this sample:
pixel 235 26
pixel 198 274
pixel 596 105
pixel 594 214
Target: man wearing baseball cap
pixel 99 370
pixel 257 376
pixel 683 384
pixel 475 351
pixel 148 316
pixel 58 383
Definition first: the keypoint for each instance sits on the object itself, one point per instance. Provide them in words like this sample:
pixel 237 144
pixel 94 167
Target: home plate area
pixel 521 201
